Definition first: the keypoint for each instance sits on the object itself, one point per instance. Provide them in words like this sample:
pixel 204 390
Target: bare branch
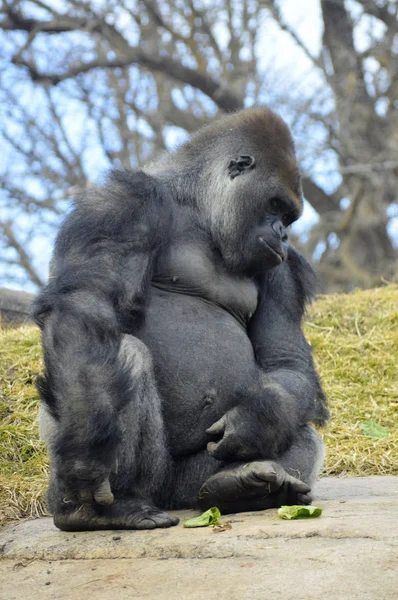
pixel 15 21
pixel 338 38
pixel 204 25
pixel 387 165
pixel 380 12
pixel 321 201
pixel 215 90
pixel 159 21
pixel 277 15
pixel 24 259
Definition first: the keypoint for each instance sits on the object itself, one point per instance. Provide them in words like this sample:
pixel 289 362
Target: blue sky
pixel 279 51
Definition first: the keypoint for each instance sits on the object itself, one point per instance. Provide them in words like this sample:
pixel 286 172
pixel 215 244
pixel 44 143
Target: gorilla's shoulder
pixel 124 190
pixel 130 207
pixel 135 182
pixel 293 284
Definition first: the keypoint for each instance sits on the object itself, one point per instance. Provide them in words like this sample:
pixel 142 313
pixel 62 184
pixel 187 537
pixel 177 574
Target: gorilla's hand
pixel 84 483
pixel 235 442
pixel 246 433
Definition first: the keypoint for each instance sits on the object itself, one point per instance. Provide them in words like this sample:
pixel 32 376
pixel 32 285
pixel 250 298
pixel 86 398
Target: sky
pixel 278 48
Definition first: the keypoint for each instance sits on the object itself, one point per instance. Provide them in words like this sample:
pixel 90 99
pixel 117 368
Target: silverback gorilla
pixel 176 371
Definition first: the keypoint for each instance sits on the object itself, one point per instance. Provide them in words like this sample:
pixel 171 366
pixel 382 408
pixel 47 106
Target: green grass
pixel 355 342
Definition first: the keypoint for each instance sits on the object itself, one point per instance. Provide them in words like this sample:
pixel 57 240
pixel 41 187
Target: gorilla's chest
pixel 195 328
pixel 188 269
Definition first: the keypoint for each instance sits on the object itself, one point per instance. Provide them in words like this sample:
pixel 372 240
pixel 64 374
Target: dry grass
pixel 355 341
pixel 23 461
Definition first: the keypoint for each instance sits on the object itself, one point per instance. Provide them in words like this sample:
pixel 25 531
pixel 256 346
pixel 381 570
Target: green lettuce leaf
pixel 210 517
pixel 299 512
pixel 373 430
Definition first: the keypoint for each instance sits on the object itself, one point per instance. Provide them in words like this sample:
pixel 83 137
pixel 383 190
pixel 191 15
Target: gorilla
pixel 176 371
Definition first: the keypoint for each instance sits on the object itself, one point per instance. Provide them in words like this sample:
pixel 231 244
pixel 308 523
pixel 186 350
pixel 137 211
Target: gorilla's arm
pixel 98 288
pixel 290 394
pixel 278 341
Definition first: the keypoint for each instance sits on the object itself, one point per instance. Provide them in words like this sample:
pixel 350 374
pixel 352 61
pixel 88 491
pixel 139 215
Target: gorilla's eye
pixel 288 219
pixel 274 205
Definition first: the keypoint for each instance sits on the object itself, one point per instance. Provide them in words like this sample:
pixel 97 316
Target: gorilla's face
pixel 259 200
pixel 267 243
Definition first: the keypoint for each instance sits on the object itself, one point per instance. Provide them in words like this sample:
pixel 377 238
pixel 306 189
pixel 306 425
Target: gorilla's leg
pixel 142 460
pixel 189 474
pixel 266 484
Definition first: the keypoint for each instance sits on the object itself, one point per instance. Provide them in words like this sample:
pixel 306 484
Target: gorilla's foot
pixel 122 514
pixel 252 486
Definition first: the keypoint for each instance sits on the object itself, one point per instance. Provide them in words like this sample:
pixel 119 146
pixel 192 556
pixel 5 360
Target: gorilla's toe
pixel 151 519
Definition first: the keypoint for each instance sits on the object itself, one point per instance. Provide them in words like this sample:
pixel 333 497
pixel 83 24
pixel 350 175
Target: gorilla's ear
pixel 241 164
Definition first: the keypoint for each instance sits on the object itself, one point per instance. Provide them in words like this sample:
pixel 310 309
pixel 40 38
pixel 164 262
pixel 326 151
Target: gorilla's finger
pixel 221 450
pixel 212 447
pixel 304 498
pixel 218 427
pixel 297 485
pixel 103 493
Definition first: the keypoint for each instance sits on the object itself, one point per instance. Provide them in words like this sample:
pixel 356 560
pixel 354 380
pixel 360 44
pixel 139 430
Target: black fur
pixel 174 307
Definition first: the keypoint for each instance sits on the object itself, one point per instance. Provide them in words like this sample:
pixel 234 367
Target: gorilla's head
pixel 253 190
pixel 242 173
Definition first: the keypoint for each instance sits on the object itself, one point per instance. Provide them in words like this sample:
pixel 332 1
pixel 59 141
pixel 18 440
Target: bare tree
pixel 96 83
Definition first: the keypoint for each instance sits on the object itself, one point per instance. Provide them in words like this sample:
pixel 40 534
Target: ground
pixel 350 552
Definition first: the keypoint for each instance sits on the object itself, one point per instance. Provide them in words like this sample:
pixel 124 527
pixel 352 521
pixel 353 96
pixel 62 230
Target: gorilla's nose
pixel 279 230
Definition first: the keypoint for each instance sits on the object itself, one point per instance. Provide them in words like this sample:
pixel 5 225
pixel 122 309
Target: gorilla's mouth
pixel 280 256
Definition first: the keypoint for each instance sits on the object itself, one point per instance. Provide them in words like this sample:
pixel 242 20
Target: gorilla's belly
pixel 203 362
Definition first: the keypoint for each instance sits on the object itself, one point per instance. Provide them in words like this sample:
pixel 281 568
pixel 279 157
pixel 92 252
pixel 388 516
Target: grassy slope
pixel 355 341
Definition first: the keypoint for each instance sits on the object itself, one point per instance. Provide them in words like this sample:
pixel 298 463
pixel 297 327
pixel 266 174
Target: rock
pixel 351 551
pixel 15 305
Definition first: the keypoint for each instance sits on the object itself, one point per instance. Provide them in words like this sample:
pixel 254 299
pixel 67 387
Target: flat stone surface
pixel 332 488
pixel 351 551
